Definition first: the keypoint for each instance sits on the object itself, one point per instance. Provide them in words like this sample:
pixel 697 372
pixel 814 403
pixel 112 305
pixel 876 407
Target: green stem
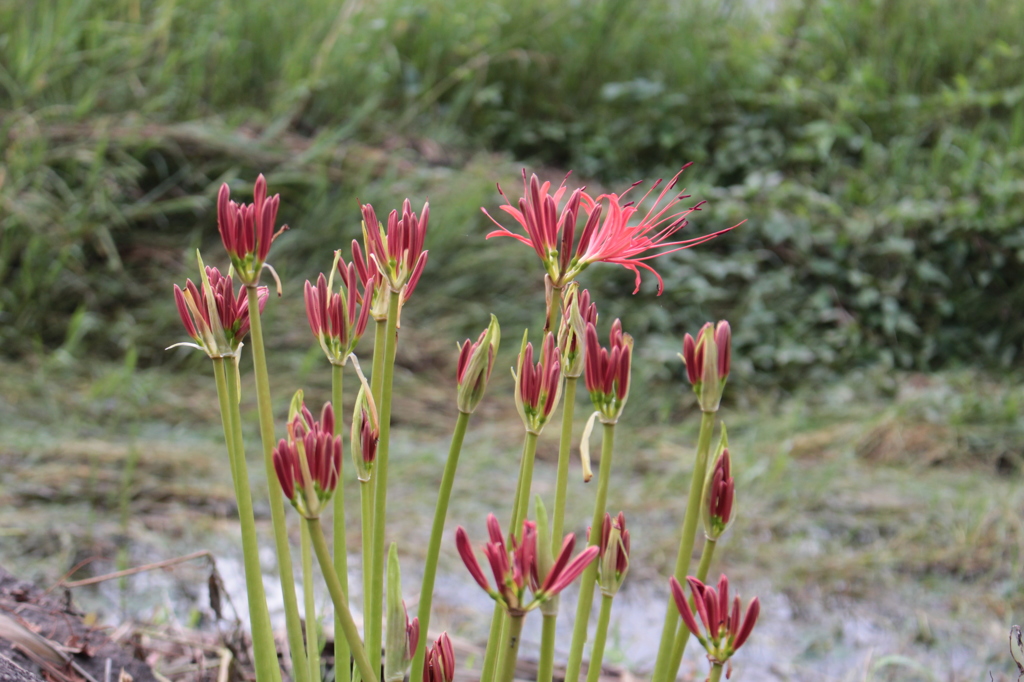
pixel 683 633
pixel 597 655
pixel 312 639
pixel 342 667
pixel 284 554
pixel 586 598
pixel 523 494
pixel 380 335
pixel 348 626
pixel 564 449
pixel 716 673
pixel 259 617
pixel 491 652
pixel 366 501
pixel 686 540
pixel 546 667
pixel 434 548
pixel 380 493
pixel 554 311
pixel 510 656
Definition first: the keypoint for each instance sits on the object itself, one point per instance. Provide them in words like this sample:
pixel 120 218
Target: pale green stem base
pixel 366 501
pixel 546 667
pixel 434 548
pixel 312 637
pixel 342 655
pixel 586 599
pixel 374 626
pixel 683 632
pixel 277 517
pixel 564 452
pixel 597 655
pixel 687 538
pixel 716 673
pixel 259 617
pixel 348 626
pixel 510 650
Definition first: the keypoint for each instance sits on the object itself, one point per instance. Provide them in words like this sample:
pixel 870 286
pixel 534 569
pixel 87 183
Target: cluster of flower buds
pixel 247 230
pixel 308 463
pixel 396 251
pixel 707 363
pixel 724 631
pixel 719 492
pixel 403 635
pixel 439 663
pixel 213 314
pixel 577 313
pixel 552 234
pixel 538 387
pixel 614 564
pixel 337 319
pixel 608 370
pixel 476 360
pixel 516 568
pixel 365 433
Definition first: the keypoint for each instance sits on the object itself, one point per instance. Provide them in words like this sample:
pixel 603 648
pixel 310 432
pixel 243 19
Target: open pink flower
pixel 614 232
pixel 724 630
pixel 515 569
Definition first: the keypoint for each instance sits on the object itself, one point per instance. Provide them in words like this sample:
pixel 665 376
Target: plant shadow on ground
pixel 878 516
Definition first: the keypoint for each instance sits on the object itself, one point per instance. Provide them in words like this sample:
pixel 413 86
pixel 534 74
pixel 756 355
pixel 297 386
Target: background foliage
pixel 876 149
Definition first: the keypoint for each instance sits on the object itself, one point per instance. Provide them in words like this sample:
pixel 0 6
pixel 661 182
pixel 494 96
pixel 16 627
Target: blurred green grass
pixel 874 147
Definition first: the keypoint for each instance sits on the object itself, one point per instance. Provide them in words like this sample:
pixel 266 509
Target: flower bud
pixel 476 360
pixel 247 230
pixel 724 631
pixel 577 313
pixel 402 635
pixel 439 663
pixel 608 371
pixel 365 433
pixel 308 463
pixel 538 387
pixel 614 554
pixel 719 492
pixel 337 319
pixel 707 361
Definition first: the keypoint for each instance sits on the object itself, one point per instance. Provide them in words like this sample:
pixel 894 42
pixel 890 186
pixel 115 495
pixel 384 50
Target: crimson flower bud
pixel 476 360
pixel 365 433
pixel 337 320
pixel 608 371
pixel 538 387
pixel 308 463
pixel 577 313
pixel 707 361
pixel 719 492
pixel 439 663
pixel 247 230
pixel 614 547
pixel 724 631
pixel 397 250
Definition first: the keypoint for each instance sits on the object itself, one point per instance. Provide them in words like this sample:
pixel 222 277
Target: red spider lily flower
pixel 308 463
pixel 707 361
pixel 403 635
pixel 577 313
pixel 608 371
pixel 724 631
pixel 614 552
pixel 397 251
pixel 538 387
pixel 247 230
pixel 365 432
pixel 611 240
pixel 213 314
pixel 516 569
pixel 439 664
pixel 337 320
pixel 476 360
pixel 719 493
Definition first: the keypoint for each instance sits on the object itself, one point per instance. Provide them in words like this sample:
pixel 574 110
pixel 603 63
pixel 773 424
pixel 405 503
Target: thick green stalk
pixel 284 553
pixel 683 633
pixel 554 311
pixel 586 599
pixel 546 667
pixel 564 449
pixel 374 627
pixel 380 335
pixel 342 668
pixel 686 540
pixel 434 548
pixel 312 639
pixel 510 654
pixel 259 617
pixel 366 501
pixel 499 622
pixel 597 655
pixel 716 673
pixel 348 626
